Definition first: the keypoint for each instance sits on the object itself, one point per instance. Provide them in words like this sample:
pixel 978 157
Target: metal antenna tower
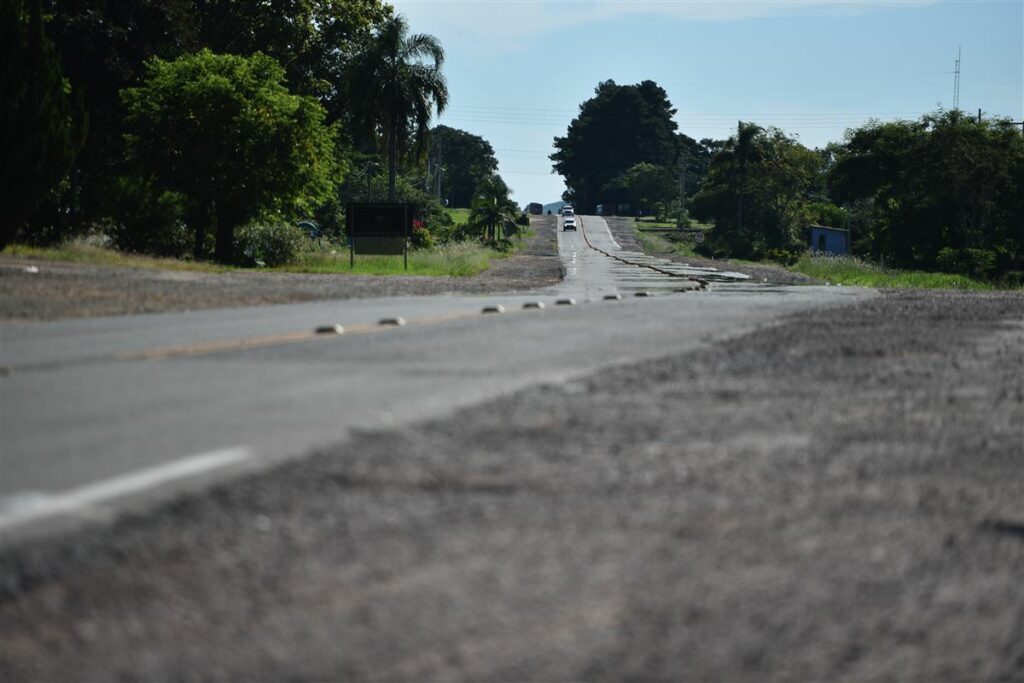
pixel 956 80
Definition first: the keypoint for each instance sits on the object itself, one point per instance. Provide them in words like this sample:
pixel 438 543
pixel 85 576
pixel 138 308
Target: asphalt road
pixel 105 414
pixel 743 484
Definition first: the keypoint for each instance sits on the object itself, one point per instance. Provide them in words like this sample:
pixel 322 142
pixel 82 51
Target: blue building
pixel 826 240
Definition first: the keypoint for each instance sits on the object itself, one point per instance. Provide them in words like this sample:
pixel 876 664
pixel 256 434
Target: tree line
pixel 168 125
pixel 944 192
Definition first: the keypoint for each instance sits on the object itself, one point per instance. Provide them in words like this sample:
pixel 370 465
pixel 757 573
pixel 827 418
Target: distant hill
pixel 554 207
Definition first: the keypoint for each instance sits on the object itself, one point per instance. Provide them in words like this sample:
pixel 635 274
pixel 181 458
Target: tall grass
pixel 849 270
pixel 656 243
pixel 457 260
pixel 80 252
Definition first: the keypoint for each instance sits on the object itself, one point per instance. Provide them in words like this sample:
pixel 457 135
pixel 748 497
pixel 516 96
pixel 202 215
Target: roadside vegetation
pixel 663 243
pixel 235 136
pixel 78 251
pixel 459 217
pixel 845 270
pixel 219 129
pixel 456 259
pixel 941 194
pixel 850 270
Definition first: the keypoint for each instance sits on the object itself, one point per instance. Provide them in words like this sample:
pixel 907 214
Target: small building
pixel 826 240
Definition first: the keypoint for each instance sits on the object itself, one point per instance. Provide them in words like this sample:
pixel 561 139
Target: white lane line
pixel 21 508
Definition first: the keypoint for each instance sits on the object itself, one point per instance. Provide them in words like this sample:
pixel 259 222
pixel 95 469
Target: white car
pixel 567 210
pixel 569 223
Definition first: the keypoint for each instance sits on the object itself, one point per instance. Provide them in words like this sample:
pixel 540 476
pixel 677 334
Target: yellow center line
pixel 263 341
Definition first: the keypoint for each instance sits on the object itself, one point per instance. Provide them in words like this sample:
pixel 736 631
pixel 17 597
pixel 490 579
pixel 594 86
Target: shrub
pixel 1012 279
pixel 975 263
pixel 421 237
pixel 147 221
pixel 269 244
pixel 784 256
pixel 503 245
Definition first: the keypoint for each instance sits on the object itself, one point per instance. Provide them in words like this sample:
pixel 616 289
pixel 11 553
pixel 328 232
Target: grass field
pixel 459 216
pixel 458 260
pixel 659 243
pixel 78 252
pixel 848 270
pixel 461 259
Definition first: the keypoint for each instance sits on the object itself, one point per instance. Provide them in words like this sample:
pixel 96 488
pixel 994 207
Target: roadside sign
pixel 698 237
pixel 378 229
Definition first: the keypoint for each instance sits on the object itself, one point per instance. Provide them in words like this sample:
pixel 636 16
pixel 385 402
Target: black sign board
pixel 378 229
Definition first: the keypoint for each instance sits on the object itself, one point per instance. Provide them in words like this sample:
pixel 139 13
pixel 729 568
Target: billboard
pixel 379 220
pixel 381 228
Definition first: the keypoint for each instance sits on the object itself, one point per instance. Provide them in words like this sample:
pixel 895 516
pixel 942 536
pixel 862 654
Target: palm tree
pixel 740 151
pixel 492 206
pixel 394 84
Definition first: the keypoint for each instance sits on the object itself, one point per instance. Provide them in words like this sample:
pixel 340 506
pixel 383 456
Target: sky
pixel 517 70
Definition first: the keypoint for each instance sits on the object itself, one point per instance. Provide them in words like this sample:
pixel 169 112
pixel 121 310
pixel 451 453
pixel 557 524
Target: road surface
pixel 742 484
pixel 109 412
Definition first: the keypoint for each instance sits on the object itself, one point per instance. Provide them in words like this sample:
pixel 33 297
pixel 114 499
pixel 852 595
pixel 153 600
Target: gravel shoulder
pixel 69 290
pixel 837 497
pixel 625 234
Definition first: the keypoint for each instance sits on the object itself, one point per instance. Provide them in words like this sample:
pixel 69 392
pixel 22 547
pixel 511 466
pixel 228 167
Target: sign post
pixel 378 229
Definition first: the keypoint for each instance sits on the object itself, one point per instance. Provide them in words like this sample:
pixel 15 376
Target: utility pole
pixel 438 169
pixel 684 161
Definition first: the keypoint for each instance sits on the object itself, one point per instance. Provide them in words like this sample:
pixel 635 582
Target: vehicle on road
pixel 569 223
pixel 568 211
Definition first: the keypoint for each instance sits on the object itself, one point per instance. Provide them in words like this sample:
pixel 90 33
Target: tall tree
pixel 42 125
pixel 743 149
pixel 311 39
pixel 944 182
pixel 758 192
pixel 492 207
pixel 224 132
pixel 643 185
pixel 463 160
pixel 621 126
pixel 104 46
pixel 395 83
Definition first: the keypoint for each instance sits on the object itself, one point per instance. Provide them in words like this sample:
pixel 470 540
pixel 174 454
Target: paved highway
pixel 102 415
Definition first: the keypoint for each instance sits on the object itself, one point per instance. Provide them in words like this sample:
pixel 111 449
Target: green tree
pixel 697 156
pixel 643 185
pixel 621 126
pixel 395 83
pixel 747 147
pixel 492 207
pixel 466 159
pixel 759 192
pixel 224 132
pixel 312 40
pixel 944 182
pixel 43 124
pixel 104 46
